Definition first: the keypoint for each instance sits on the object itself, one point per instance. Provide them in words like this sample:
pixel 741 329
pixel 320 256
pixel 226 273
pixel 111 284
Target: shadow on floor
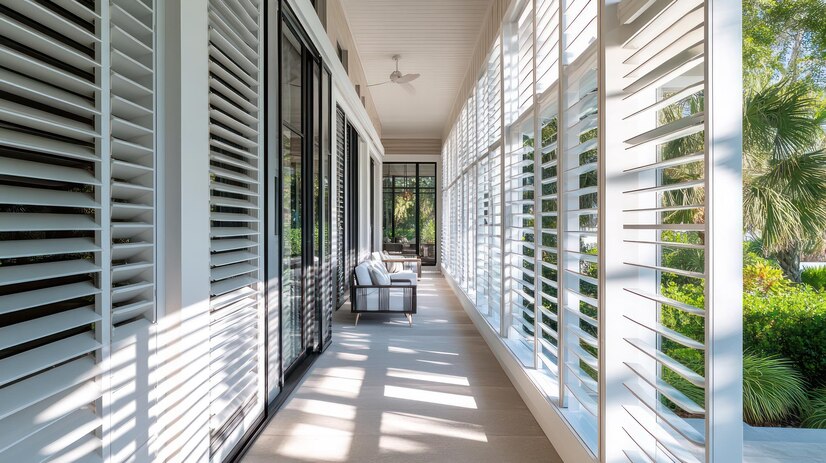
pixel 386 392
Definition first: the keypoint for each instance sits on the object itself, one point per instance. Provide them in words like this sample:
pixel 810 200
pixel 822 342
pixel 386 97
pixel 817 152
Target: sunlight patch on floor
pixel 325 408
pixel 407 423
pixel 432 397
pixel 426 376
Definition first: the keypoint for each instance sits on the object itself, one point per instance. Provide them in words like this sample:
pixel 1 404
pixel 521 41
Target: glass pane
pixel 292 74
pixel 292 237
pixel 404 214
pixel 427 227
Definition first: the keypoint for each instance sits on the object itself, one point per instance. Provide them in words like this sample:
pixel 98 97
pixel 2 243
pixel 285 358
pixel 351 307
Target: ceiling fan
pixel 397 77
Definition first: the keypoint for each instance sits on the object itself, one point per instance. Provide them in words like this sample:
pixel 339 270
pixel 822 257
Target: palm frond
pixel 768 213
pixel 778 121
pixel 784 202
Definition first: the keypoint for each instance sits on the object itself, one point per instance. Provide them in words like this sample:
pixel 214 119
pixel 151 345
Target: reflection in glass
pixel 293 235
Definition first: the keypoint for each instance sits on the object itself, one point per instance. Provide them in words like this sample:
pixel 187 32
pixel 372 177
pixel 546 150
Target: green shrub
pixel 773 390
pixel 791 324
pixel 693 359
pixel 692 326
pixel 815 277
pixel 816 415
pixel 763 276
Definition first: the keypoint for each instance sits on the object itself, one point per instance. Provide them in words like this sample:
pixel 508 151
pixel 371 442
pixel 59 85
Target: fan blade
pixel 380 83
pixel 407 78
pixel 410 89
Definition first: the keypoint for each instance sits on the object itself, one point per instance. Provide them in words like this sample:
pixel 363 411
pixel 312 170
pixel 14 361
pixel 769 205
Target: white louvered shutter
pixel 547 250
pixel 51 218
pixel 665 68
pixel 579 196
pixel 236 223
pixel 524 59
pixel 547 44
pixel 132 208
pixel 519 238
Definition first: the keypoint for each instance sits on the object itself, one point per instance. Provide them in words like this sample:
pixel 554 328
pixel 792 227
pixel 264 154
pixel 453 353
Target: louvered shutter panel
pixel 520 245
pixel 579 243
pixel 480 251
pixel 51 219
pixel 132 162
pixel 547 44
pixel 579 27
pixel 524 59
pixel 338 243
pixel 666 88
pixel 132 208
pixel 494 93
pixel 547 278
pixel 236 223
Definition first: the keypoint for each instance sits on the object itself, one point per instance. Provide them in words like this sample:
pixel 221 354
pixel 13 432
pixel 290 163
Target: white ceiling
pixel 434 38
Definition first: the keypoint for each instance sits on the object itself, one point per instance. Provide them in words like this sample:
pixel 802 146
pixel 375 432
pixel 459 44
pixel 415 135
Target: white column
pixel 184 329
pixel 724 231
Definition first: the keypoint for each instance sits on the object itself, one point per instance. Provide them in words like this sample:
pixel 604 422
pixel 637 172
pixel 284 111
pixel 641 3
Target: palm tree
pixel 784 171
pixel 784 176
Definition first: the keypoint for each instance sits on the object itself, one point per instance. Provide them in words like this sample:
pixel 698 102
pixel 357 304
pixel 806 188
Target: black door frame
pixel 417 190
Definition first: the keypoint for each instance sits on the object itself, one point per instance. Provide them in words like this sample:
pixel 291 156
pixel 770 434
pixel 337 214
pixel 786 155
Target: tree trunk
pixel 789 261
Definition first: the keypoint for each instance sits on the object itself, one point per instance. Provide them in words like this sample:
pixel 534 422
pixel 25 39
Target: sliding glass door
pixel 292 197
pixel 300 291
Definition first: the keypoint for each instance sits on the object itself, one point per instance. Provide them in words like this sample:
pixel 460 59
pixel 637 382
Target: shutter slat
pixel 42 171
pixel 28 299
pixel 667 390
pixel 42 197
pixel 32 390
pixel 10 221
pixel 16 274
pixel 36 40
pixel 665 360
pixel 34 360
pixel 46 94
pixel 42 327
pixel 32 420
pixel 24 64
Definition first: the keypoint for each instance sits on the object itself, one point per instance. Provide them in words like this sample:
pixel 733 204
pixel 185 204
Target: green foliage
pixel 761 275
pixel 773 390
pixel 682 258
pixel 428 231
pixel 816 414
pixel 295 242
pixel 687 324
pixel 784 192
pixel 815 277
pixel 784 39
pixel 692 359
pixel 792 324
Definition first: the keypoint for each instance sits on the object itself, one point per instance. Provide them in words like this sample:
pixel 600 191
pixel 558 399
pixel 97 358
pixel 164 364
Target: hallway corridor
pixel 385 392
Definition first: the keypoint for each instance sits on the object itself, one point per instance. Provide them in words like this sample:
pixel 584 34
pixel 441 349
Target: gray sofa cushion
pixel 379 275
pixel 363 274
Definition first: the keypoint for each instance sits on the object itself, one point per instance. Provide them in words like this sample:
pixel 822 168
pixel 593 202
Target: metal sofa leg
pixel 357 319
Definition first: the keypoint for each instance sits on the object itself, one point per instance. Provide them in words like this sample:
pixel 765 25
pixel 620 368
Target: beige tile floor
pixel 385 392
